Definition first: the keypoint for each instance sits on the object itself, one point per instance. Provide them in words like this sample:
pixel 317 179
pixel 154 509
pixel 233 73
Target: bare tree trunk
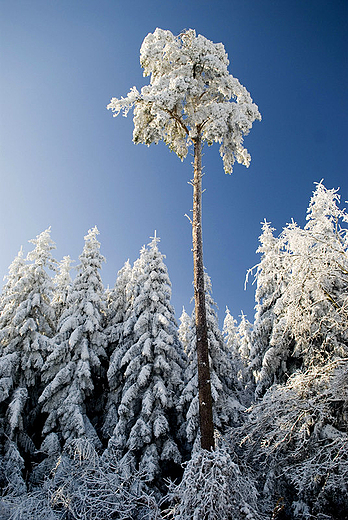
pixel 204 387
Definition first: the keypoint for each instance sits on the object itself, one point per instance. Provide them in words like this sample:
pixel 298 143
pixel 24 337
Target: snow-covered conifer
pixel 316 300
pixel 26 324
pixel 229 332
pixel 15 271
pixel 244 330
pixel 244 335
pixel 296 440
pixel 192 99
pixel 238 341
pixel 213 487
pixel 74 368
pixel 27 317
pixel 271 277
pixel 304 320
pixel 145 434
pixel 118 304
pixel 190 91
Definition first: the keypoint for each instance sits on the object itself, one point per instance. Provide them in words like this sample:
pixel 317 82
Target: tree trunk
pixel 204 387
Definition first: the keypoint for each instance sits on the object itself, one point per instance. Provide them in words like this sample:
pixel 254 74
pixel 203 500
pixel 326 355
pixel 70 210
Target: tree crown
pixel 191 95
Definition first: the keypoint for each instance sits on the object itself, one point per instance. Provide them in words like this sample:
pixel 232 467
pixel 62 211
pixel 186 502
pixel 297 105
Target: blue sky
pixel 67 163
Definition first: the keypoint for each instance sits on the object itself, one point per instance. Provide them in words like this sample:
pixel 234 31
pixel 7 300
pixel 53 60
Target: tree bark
pixel 204 386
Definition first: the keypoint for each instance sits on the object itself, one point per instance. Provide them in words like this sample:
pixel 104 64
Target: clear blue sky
pixel 67 163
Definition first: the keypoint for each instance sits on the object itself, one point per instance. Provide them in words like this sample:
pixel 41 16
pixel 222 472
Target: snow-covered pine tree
pixel 145 434
pixel 122 333
pixel 26 324
pixel 15 271
pixel 316 300
pixel 238 341
pixel 213 488
pixel 192 99
pixel 244 341
pixel 74 371
pixel 298 431
pixel 11 463
pixel 118 303
pixel 229 332
pixel 244 331
pixel 226 407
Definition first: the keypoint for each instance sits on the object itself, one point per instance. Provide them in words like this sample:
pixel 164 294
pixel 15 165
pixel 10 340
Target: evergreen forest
pixel 99 415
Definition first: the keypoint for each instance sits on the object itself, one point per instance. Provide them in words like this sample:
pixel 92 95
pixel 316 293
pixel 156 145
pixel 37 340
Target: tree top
pixel 191 95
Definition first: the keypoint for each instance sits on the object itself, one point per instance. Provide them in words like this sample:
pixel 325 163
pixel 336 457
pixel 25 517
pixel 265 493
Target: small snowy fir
pixel 119 301
pixel 213 488
pixel 62 286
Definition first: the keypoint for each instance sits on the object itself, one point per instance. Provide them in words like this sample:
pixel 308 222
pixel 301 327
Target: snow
pixel 190 92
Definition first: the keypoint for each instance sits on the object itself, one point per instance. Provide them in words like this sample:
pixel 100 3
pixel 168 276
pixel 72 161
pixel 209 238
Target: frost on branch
pixel 84 486
pixel 190 93
pixel 302 293
pixel 297 438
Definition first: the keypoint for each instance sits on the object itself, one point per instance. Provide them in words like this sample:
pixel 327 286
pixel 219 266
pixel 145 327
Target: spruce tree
pixel 74 372
pixel 145 434
pixel 185 330
pixel 26 324
pixel 272 274
pixel 62 287
pixel 245 379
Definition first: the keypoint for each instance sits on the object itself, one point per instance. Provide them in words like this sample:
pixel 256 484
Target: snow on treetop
pixel 191 94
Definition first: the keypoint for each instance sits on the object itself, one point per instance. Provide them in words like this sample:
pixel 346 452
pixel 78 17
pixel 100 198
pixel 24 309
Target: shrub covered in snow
pixel 213 488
